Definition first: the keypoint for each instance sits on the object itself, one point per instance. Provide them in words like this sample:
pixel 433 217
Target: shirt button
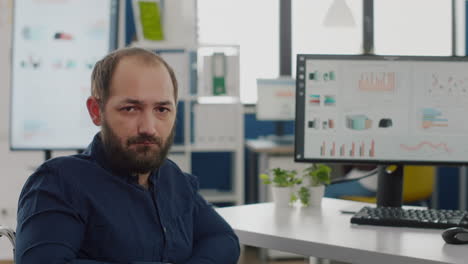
pixel 164 229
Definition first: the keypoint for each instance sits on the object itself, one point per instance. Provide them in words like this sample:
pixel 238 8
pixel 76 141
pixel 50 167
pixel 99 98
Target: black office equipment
pixel 420 218
pixel 455 235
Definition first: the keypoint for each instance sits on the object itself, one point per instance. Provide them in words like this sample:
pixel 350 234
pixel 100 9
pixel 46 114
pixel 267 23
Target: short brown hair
pixel 104 70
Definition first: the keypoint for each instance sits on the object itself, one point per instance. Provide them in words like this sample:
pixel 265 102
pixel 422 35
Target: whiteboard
pixel 55 46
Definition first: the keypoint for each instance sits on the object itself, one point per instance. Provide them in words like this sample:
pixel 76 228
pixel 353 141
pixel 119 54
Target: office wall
pixel 5 29
pixel 9 181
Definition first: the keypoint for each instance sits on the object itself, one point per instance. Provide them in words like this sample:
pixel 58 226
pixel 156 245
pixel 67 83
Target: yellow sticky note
pixel 150 18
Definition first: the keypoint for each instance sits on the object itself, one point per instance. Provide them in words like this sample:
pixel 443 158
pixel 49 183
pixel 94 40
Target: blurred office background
pixel 251 40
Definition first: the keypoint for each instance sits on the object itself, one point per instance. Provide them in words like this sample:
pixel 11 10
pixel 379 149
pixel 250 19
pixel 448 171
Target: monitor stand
pixel 47 154
pixel 279 128
pixel 279 138
pixel 390 186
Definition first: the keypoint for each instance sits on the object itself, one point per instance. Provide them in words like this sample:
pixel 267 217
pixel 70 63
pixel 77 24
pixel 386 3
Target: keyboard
pixel 421 218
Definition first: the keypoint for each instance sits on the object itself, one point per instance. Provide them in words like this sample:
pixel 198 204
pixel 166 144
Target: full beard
pixel 142 159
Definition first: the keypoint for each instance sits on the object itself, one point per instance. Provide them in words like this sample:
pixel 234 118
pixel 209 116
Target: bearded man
pixel 122 201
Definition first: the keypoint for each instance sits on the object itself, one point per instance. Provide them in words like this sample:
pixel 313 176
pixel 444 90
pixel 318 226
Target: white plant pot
pixel 316 195
pixel 281 196
pixel 306 181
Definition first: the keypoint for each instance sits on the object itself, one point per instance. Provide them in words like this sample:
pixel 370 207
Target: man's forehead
pixel 144 101
pixel 141 60
pixel 130 77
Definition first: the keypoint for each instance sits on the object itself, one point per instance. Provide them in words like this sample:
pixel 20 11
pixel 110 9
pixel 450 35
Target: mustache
pixel 144 139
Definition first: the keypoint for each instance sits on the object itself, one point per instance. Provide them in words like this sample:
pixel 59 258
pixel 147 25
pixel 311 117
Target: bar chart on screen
pixel 377 82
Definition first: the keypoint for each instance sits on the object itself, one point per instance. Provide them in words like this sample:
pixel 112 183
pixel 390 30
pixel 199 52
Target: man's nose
pixel 147 123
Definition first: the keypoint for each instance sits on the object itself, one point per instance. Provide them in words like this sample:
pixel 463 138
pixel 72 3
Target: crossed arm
pixel 51 230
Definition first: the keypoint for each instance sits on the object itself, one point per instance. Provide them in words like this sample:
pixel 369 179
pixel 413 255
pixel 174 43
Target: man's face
pixel 138 118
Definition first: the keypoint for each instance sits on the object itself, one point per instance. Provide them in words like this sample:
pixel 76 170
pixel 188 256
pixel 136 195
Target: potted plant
pixel 282 182
pixel 315 178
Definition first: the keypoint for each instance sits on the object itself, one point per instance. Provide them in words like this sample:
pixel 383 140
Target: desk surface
pixel 327 233
pixel 269 147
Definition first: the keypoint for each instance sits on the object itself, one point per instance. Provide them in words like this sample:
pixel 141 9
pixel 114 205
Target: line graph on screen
pixel 426 145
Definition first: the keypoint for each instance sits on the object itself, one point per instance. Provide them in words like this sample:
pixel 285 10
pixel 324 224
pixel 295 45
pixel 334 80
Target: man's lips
pixel 145 143
pixel 142 141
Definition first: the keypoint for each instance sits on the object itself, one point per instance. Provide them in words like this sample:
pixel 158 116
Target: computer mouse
pixel 455 235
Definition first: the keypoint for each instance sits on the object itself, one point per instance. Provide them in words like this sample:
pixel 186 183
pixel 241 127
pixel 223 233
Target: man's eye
pixel 162 109
pixel 128 109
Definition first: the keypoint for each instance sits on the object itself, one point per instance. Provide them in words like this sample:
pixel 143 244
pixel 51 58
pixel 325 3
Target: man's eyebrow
pixel 140 102
pixel 168 102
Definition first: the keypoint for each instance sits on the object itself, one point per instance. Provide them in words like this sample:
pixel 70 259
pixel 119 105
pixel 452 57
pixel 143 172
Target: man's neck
pixel 143 180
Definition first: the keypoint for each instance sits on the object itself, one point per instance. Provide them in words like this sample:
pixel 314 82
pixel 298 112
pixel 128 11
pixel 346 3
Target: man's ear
pixel 94 110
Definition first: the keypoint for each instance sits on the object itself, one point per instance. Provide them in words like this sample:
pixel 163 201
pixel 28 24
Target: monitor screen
pixel 276 99
pixel 55 46
pixel 381 109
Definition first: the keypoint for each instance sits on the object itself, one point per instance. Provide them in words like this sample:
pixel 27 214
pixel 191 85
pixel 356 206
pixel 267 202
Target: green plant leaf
pixel 284 178
pixel 265 178
pixel 293 198
pixel 267 181
pixel 304 196
pixel 281 177
pixel 320 174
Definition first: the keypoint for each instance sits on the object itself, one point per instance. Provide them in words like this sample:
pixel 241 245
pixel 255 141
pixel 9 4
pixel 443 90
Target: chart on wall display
pixel 382 108
pixel 275 99
pixel 55 46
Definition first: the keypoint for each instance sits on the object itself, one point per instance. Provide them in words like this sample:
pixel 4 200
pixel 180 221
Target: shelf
pixel 268 146
pixel 198 148
pixel 214 196
pixel 178 148
pixel 161 45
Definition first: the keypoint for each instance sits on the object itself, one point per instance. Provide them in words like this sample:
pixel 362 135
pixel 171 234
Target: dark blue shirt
pixel 77 209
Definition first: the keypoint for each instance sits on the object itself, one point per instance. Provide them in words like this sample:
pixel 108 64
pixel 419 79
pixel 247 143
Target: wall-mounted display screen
pixel 55 46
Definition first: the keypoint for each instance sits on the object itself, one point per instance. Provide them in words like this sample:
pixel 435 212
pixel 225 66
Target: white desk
pixel 327 233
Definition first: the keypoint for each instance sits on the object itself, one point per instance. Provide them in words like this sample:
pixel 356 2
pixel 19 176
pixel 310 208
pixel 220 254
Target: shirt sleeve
pixel 214 240
pixel 50 228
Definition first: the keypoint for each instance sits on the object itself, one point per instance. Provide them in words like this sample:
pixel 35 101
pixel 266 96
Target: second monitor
pixel 276 99
pixel 276 102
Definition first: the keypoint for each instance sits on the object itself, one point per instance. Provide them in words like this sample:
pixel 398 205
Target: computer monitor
pixel 55 45
pixel 382 110
pixel 276 102
pixel 276 99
